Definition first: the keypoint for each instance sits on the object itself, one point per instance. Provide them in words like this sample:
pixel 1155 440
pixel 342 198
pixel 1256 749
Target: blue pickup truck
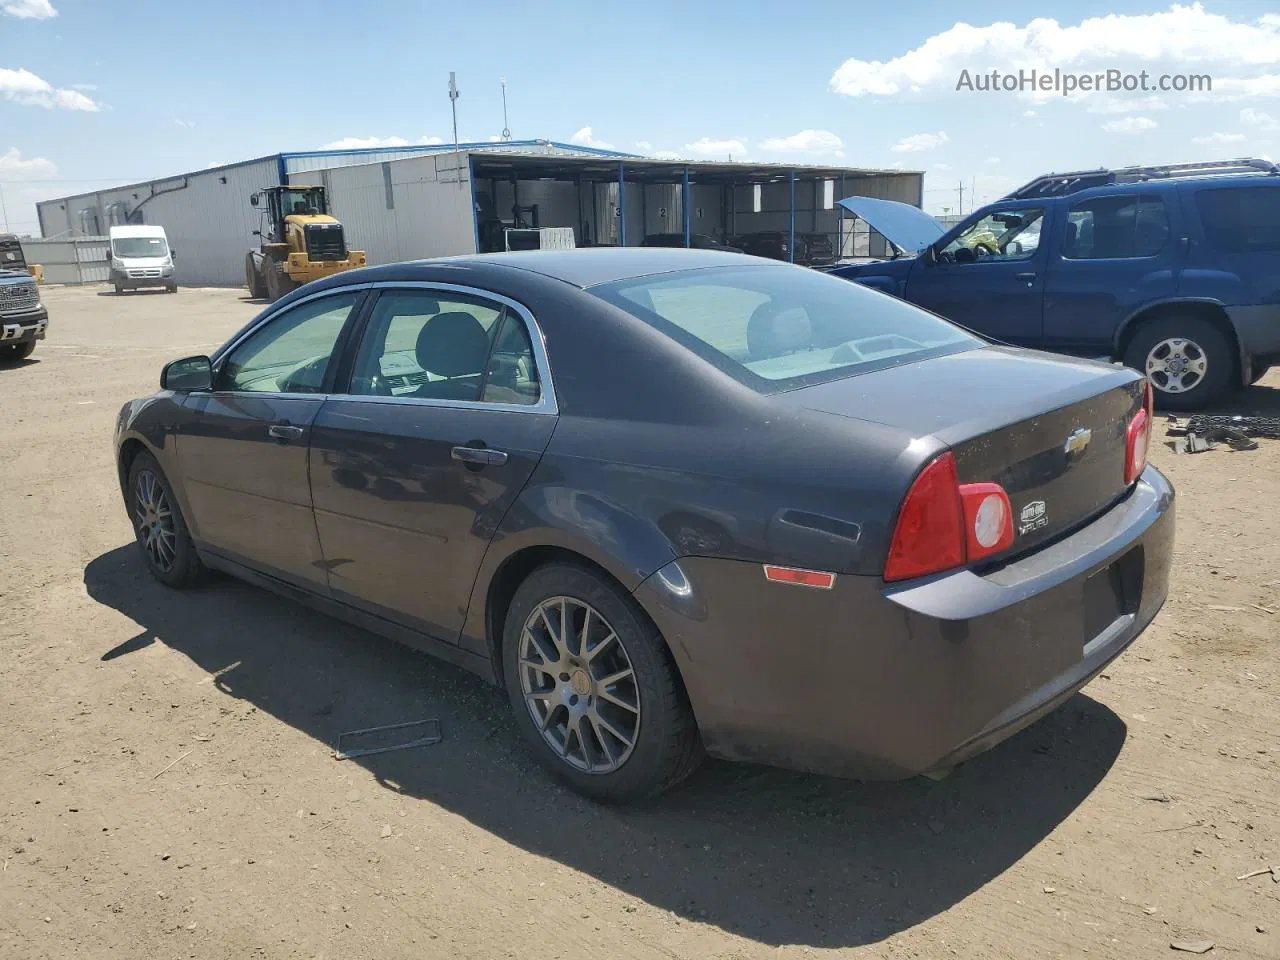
pixel 1174 270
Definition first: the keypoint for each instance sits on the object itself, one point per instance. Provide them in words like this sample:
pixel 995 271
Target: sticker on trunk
pixel 1033 516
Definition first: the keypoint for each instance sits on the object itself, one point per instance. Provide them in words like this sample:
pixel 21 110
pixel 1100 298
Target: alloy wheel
pixel 1176 365
pixel 153 516
pixel 579 685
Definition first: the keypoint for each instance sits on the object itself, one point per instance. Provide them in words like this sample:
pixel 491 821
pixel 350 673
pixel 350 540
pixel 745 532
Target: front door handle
pixel 482 456
pixel 1028 277
pixel 283 432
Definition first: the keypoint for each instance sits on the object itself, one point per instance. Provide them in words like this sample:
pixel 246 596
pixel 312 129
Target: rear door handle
pixel 283 432
pixel 1024 276
pixel 479 455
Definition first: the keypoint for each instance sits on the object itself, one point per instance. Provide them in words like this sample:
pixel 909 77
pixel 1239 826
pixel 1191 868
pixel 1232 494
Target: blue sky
pixel 90 94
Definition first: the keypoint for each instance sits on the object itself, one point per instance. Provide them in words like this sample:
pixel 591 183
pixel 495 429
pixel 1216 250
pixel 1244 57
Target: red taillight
pixel 1138 437
pixel 944 524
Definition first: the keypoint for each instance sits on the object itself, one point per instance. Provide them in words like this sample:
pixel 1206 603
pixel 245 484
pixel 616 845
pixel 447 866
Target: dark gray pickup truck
pixel 23 318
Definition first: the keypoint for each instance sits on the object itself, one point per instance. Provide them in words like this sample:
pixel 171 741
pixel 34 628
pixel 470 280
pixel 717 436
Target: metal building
pixel 401 203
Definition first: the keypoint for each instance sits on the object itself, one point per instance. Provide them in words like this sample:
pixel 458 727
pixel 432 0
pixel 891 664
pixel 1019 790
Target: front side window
pixel 777 327
pixel 139 247
pixel 291 352
pixel 998 235
pixel 1113 228
pixel 303 202
pixel 1242 219
pixel 452 347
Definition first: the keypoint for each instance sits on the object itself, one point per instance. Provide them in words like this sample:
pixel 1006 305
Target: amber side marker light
pixel 818 579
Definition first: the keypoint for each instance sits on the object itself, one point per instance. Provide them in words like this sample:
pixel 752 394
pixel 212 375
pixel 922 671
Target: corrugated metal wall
pixel 82 260
pixel 403 209
pixel 210 224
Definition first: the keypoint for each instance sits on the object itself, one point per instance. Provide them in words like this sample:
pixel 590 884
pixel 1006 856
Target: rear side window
pixel 1241 220
pixel 775 328
pixel 1114 228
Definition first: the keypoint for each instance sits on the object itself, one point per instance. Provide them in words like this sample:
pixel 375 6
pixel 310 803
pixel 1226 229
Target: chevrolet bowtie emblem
pixel 1077 442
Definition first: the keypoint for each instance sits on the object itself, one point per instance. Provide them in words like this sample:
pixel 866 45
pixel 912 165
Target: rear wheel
pixel 594 689
pixel 1187 359
pixel 159 527
pixel 13 352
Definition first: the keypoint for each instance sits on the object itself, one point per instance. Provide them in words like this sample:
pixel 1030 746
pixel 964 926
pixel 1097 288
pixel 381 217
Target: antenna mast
pixel 506 129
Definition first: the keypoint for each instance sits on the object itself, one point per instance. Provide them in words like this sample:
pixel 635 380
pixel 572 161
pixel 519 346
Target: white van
pixel 140 257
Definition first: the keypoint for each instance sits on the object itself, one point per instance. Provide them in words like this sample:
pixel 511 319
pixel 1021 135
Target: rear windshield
pixel 779 327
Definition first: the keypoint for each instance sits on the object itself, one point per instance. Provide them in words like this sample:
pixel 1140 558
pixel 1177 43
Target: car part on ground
pixel 1202 432
pixel 300 242
pixel 622 545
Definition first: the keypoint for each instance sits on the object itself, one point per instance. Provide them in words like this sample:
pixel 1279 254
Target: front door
pixel 242 448
pixel 413 468
pixel 990 277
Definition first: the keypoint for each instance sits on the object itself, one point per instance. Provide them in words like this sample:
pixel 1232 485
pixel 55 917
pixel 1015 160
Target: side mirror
pixel 253 201
pixel 173 254
pixel 1015 249
pixel 931 254
pixel 188 374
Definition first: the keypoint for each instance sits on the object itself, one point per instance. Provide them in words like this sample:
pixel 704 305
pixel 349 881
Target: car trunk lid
pixel 1050 430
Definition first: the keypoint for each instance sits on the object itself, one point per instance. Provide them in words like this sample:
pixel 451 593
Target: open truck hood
pixel 908 228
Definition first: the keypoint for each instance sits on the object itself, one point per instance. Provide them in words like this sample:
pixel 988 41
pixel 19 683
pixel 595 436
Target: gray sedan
pixel 677 502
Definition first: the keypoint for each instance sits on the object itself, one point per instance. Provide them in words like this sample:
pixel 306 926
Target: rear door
pixel 1113 254
pixel 448 410
pixel 990 276
pixel 243 446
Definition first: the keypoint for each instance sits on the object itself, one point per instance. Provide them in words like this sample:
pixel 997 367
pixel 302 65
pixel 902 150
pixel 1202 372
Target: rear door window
pixel 1240 219
pixel 1114 228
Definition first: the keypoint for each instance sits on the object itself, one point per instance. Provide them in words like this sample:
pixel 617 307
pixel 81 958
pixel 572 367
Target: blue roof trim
pixel 448 147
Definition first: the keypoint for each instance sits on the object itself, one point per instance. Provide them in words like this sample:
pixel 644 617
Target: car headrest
pixel 772 332
pixel 452 344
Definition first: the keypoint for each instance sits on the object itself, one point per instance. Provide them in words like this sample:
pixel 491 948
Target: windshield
pixel 129 247
pixel 308 202
pixel 775 328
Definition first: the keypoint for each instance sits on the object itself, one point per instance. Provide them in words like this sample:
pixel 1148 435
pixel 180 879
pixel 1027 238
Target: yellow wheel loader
pixel 300 242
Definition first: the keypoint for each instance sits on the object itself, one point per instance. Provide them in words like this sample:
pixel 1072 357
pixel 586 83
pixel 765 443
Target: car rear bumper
pixel 885 681
pixel 24 327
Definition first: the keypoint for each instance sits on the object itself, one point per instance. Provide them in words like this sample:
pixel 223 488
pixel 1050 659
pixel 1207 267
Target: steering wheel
pixel 308 378
pixel 984 250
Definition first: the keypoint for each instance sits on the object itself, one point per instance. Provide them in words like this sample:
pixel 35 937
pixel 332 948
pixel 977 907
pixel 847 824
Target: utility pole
pixel 3 211
pixel 506 130
pixel 960 191
pixel 453 105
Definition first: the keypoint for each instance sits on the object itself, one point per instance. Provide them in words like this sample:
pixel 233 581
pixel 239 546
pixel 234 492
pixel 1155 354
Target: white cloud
pixel 584 138
pixel 706 147
pixel 992 160
pixel 188 124
pixel 86 87
pixel 919 142
pixel 23 86
pixel 368 143
pixel 1215 139
pixel 666 155
pixel 1130 125
pixel 14 167
pixel 644 146
pixel 1185 38
pixel 1256 118
pixel 942 166
pixel 28 9
pixel 814 143
pixel 1028 113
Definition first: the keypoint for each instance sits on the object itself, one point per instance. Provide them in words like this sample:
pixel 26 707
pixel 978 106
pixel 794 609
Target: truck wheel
pixel 13 352
pixel 171 288
pixel 1187 360
pixel 119 290
pixel 253 279
pixel 278 282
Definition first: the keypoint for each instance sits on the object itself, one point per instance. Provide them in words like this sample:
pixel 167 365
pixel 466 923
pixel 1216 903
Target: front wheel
pixel 13 352
pixel 159 527
pixel 253 279
pixel 594 689
pixel 1187 359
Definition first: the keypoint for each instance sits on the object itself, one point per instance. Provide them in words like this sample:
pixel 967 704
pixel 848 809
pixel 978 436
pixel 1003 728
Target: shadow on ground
pixel 772 856
pixel 1257 401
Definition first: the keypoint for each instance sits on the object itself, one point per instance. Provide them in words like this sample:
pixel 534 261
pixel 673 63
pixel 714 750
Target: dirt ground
pixel 169 789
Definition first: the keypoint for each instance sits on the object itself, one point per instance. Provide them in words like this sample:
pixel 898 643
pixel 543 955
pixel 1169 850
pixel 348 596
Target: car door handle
pixel 283 432
pixel 1024 276
pixel 479 455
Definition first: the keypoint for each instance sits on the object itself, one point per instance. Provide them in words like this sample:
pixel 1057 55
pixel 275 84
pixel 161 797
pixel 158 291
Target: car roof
pixel 588 267
pixel 1158 185
pixel 146 230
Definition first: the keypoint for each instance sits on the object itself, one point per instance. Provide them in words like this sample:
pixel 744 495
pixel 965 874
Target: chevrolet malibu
pixel 677 502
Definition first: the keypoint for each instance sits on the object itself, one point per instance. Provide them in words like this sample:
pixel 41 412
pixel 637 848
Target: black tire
pixel 14 352
pixel 253 280
pixel 119 290
pixel 1205 341
pixel 279 283
pixel 185 569
pixel 172 288
pixel 666 747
